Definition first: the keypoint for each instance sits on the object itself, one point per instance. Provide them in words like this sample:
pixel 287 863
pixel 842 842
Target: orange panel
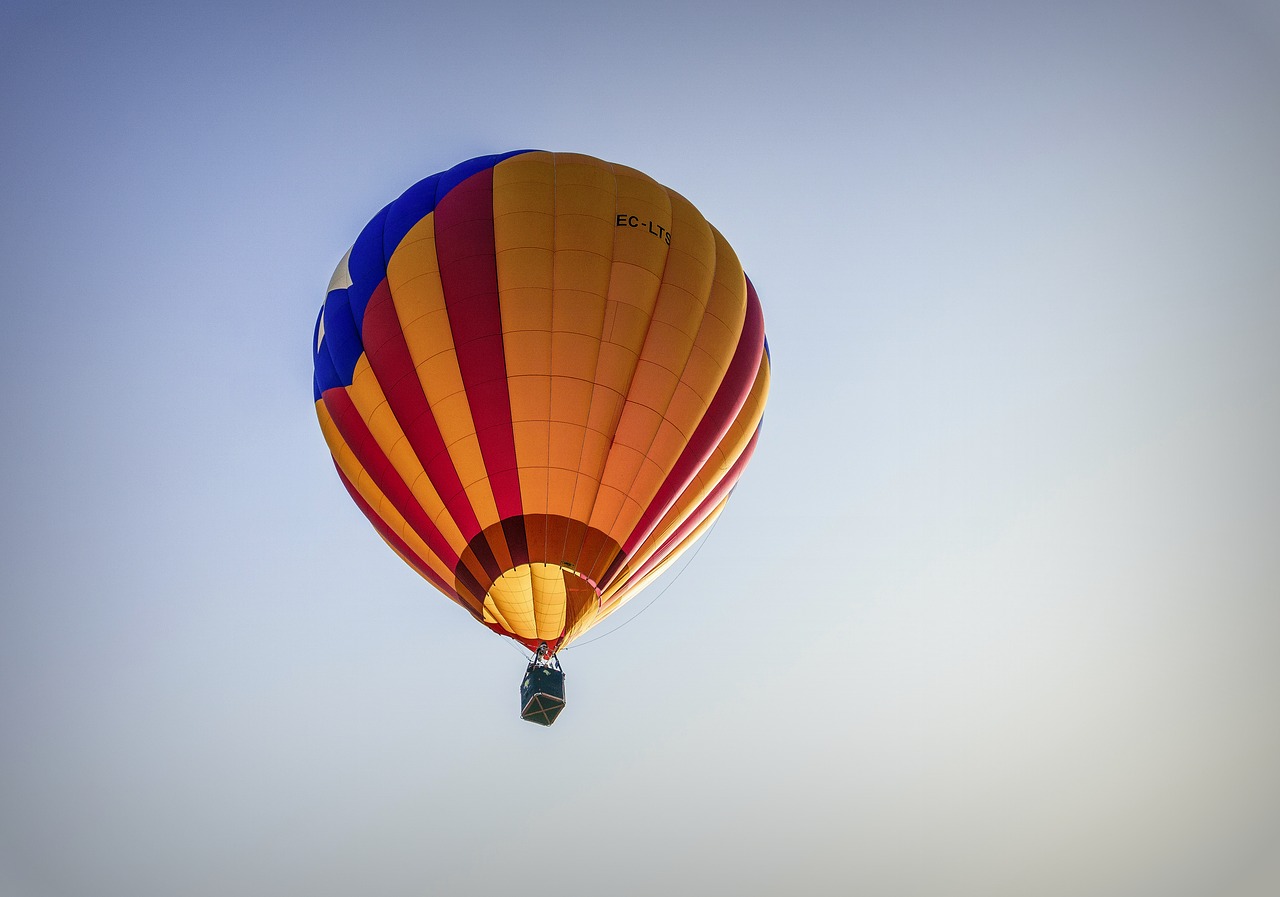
pixel 584 208
pixel 528 354
pixel 687 280
pixel 537 436
pixel 530 401
pixel 524 241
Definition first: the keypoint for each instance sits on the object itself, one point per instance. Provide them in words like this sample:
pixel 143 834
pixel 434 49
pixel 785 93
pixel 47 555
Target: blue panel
pixel 412 206
pixel 367 265
pixel 335 363
pixel 326 375
pixel 341 340
pixel 420 200
pixel 463 170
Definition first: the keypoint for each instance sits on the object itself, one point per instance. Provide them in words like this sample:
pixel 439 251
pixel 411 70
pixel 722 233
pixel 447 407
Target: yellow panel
pixel 590 617
pixel 427 334
pixel 493 615
pixel 366 395
pixel 381 505
pixel 470 474
pixel 581 283
pixel 512 597
pixel 416 254
pixel 530 410
pixel 449 407
pixel 530 601
pixel 418 296
pixel 549 599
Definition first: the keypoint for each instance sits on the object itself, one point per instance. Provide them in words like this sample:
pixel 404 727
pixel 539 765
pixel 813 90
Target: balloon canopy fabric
pixel 540 376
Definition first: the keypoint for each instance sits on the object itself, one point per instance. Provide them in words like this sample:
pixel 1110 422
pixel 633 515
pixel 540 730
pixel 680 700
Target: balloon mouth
pixel 535 577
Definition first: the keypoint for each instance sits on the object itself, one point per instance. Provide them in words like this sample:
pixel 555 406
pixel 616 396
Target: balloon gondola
pixel 542 689
pixel 540 376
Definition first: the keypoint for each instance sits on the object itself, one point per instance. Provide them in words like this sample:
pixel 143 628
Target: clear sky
pixel 994 612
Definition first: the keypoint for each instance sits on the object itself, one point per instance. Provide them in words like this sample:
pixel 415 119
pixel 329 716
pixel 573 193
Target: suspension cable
pixel 701 543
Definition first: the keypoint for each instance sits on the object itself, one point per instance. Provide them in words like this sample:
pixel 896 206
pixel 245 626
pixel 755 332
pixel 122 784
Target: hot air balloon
pixel 540 376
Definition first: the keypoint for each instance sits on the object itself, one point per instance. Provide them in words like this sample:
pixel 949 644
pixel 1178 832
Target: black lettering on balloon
pixel 625 220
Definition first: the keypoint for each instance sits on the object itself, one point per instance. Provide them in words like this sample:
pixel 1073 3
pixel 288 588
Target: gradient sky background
pixel 994 612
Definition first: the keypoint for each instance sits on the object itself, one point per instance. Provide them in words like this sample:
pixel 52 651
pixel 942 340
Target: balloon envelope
pixel 540 376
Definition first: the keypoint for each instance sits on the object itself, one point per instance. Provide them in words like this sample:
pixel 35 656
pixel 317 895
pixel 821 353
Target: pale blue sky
pixel 993 612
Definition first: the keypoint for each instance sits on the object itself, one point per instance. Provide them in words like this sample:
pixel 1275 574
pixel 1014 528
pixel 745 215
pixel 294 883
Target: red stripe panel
pixel 375 462
pixel 720 415
pixel 401 546
pixel 469 275
pixel 393 366
pixel 717 495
